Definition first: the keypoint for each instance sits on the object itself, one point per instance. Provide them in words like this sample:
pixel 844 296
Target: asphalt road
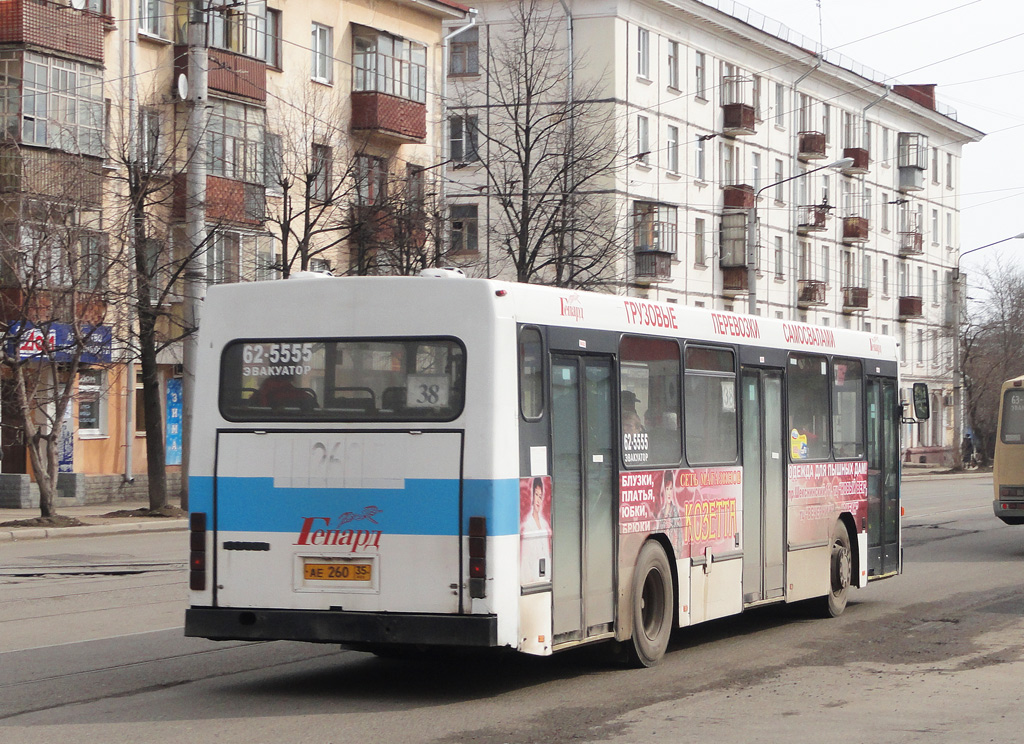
pixel 91 651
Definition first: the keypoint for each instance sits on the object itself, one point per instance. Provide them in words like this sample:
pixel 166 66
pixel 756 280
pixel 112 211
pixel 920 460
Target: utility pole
pixel 195 210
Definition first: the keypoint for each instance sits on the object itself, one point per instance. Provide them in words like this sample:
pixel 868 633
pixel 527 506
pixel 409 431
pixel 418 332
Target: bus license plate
pixel 337 572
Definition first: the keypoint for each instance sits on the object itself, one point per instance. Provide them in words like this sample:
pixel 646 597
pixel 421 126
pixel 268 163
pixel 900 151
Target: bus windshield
pixel 1013 417
pixel 415 379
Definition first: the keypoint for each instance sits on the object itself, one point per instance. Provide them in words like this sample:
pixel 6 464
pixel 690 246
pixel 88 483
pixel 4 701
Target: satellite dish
pixel 78 4
pixel 182 85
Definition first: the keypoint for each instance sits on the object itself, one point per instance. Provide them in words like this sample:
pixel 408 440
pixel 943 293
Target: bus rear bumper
pixel 339 626
pixel 1011 512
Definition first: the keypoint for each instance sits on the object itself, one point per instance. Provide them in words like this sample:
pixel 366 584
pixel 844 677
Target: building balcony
pixel 230 73
pixel 739 196
pixel 811 218
pixel 861 160
pixel 735 281
pixel 653 266
pixel 855 229
pixel 394 117
pixel 911 243
pixel 812 145
pixel 738 119
pixel 810 293
pixel 911 178
pixel 52 26
pixel 910 307
pixel 855 299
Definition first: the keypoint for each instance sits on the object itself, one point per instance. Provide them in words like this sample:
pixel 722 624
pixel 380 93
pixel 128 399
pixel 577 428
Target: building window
pixel 222 257
pixel 654 227
pixel 383 63
pixel 884 206
pixel 700 256
pixel 273 52
pixel 464 228
pixel 643 141
pixel 92 402
pixel 935 165
pixel 371 179
pixel 730 165
pixel 780 105
pixel 935 227
pixel 700 167
pixel 462 139
pixel 912 150
pixel 235 140
pixel 149 136
pixel 266 268
pixel 949 170
pixel 319 176
pixel 321 45
pixel 757 98
pixel 672 150
pixel 673 65
pixel 778 177
pixel 935 286
pixel 700 77
pixel 885 276
pixel 464 53
pixel 643 52
pixel 61 102
pixel 803 260
pixel 153 16
pixel 867 271
pixel 779 257
pixel 755 170
pixel 273 165
pixel 826 267
pixel 949 230
pixel 885 145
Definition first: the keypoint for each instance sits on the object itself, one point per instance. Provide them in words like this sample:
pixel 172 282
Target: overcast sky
pixel 974 51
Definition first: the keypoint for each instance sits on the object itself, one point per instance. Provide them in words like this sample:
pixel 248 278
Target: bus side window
pixel 710 404
pixel 531 374
pixel 649 401
pixel 809 426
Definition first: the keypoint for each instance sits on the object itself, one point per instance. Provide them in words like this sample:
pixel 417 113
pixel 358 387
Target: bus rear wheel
pixel 840 572
pixel 652 602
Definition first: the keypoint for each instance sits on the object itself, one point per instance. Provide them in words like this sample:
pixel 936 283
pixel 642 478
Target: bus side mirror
pixel 921 401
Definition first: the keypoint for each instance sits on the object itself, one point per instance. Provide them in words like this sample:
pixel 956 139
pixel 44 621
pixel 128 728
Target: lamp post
pixel 957 365
pixel 752 230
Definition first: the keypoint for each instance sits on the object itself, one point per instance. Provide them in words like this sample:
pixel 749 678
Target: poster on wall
pixel 66 445
pixel 174 421
pixel 535 530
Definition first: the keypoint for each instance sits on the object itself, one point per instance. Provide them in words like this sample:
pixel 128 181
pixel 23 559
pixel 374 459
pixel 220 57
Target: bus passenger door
pixel 583 490
pixel 883 477
pixel 764 502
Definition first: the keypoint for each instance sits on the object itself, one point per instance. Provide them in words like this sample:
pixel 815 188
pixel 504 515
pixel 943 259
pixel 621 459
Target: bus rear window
pixel 1012 431
pixel 335 380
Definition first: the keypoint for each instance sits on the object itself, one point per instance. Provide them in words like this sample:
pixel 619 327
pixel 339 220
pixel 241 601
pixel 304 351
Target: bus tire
pixel 840 571
pixel 652 603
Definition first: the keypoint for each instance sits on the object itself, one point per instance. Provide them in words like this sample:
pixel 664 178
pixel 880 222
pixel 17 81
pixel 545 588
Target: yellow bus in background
pixel 1008 471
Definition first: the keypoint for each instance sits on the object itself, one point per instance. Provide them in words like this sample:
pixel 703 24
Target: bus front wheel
pixel 840 571
pixel 653 600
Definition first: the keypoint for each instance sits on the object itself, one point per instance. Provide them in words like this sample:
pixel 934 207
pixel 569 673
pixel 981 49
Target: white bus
pixel 388 462
pixel 1008 466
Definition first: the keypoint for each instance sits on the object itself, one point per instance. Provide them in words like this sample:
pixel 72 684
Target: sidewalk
pixel 95 519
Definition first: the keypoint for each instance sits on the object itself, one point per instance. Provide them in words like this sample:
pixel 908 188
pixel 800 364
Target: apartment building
pixel 721 116
pixel 314 110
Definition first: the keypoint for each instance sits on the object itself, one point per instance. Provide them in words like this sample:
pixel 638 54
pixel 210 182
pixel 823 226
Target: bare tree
pixel 547 149
pixel 55 266
pixel 992 348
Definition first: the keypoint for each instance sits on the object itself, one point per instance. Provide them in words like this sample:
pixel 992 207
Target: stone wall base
pixel 17 491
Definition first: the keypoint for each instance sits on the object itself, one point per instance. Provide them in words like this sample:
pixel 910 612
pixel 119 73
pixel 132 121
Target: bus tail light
pixel 1011 493
pixel 477 557
pixel 197 552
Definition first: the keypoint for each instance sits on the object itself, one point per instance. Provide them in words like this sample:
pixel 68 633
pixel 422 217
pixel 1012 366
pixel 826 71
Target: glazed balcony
pixel 855 229
pixel 910 307
pixel 391 116
pixel 735 281
pixel 812 146
pixel 810 293
pixel 855 299
pixel 653 266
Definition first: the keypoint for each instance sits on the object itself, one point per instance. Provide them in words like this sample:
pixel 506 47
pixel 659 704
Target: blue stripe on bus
pixel 423 507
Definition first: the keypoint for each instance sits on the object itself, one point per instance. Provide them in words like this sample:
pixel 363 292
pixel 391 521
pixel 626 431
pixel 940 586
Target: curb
pixel 91 530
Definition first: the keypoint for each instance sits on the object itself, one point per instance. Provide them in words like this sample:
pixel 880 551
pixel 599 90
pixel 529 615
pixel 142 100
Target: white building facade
pixel 714 109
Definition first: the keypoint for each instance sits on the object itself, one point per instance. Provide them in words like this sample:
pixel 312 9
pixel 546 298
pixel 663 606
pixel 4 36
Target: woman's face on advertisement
pixel 538 498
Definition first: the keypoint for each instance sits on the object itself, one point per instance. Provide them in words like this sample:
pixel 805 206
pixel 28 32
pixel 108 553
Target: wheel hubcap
pixel 652 604
pixel 842 566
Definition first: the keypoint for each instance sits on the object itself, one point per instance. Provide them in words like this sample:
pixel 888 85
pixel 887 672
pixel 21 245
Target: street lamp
pixel 752 230
pixel 957 371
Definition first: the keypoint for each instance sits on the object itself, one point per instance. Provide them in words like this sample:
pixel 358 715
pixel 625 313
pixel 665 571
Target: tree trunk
pixel 156 468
